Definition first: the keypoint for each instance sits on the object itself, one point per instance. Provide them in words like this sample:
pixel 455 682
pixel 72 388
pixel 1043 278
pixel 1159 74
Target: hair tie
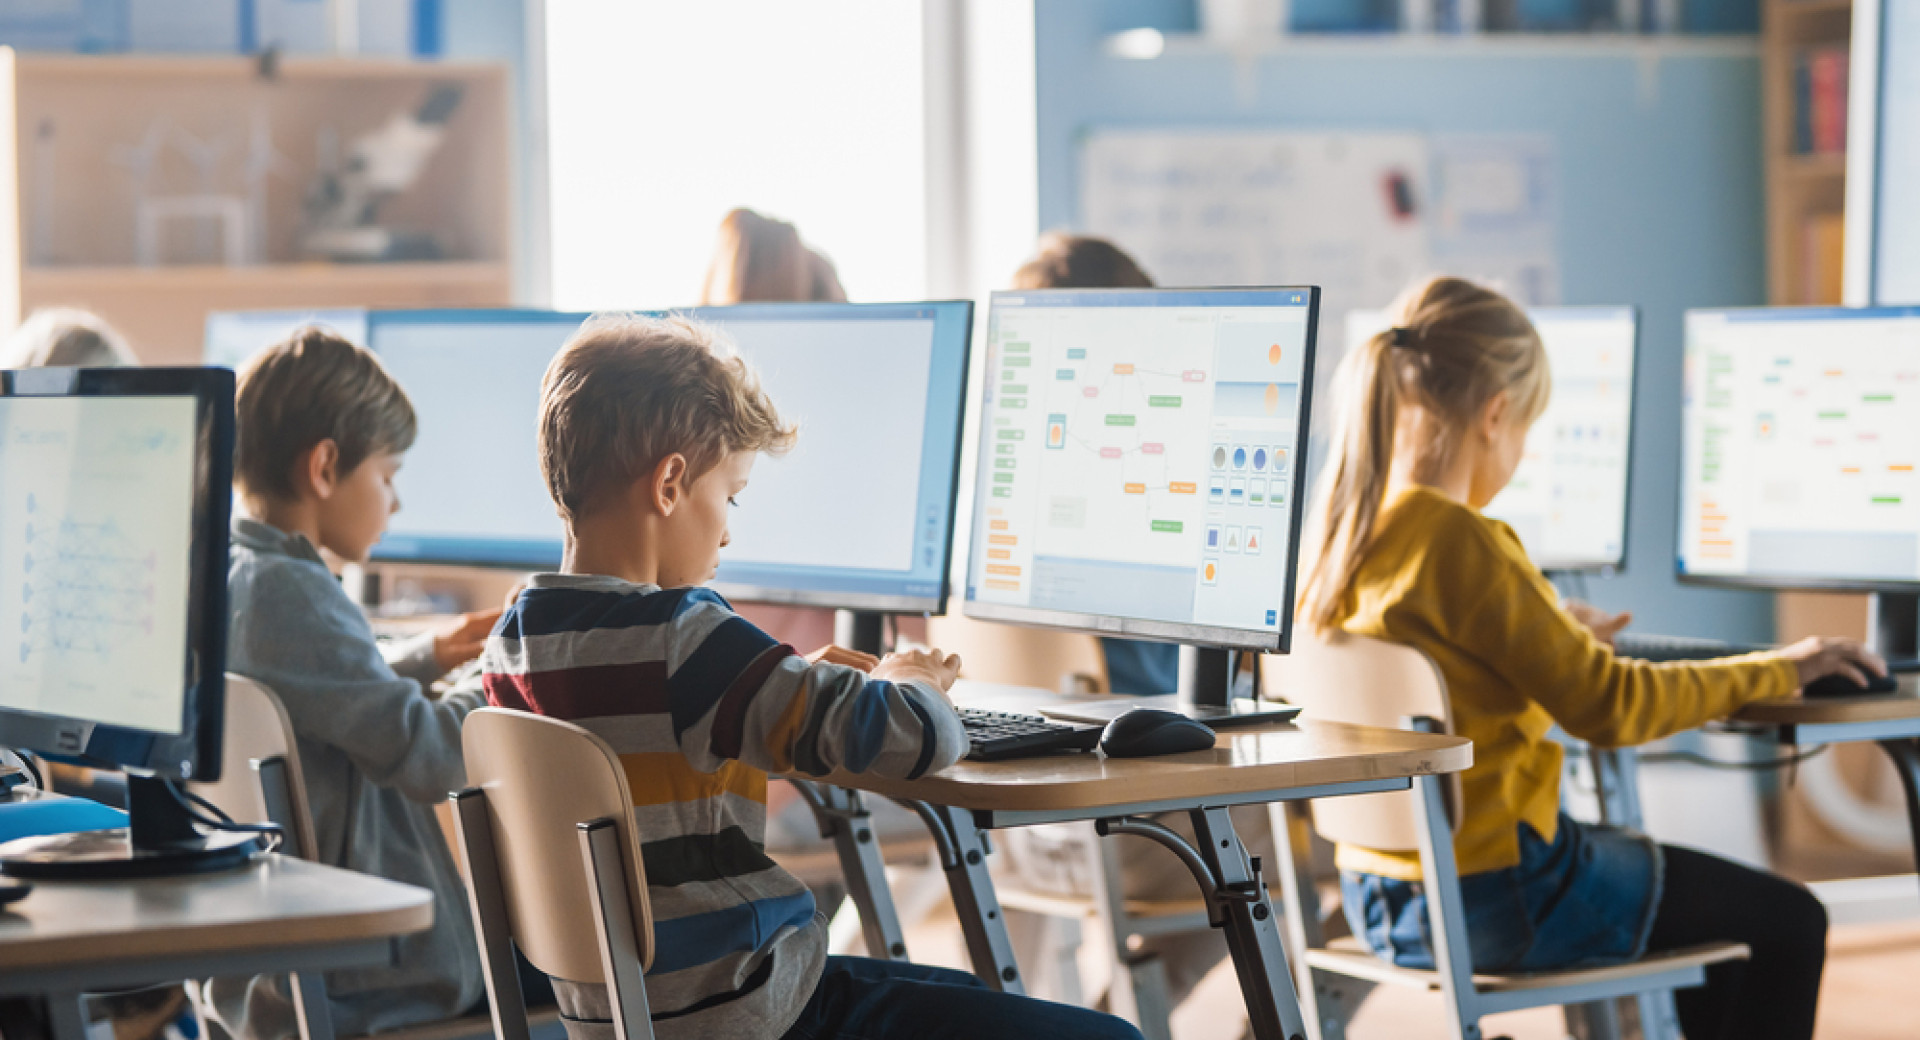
pixel 1400 336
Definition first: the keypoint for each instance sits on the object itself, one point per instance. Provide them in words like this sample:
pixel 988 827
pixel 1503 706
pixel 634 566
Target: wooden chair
pixel 1346 678
pixel 1138 989
pixel 553 865
pixel 261 782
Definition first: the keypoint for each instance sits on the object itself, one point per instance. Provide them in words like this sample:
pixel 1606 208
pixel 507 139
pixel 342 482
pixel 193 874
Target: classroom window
pixel 663 116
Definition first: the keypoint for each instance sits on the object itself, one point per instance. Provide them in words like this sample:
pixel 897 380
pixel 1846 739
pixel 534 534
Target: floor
pixel 1871 992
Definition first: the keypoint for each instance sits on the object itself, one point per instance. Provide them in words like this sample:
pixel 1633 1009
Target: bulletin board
pixel 1359 214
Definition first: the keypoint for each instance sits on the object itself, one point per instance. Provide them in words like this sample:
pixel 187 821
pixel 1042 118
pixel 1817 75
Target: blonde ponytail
pixel 1455 346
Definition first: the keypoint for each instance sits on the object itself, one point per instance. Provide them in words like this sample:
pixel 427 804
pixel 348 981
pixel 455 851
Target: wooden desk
pixel 1251 765
pixel 278 915
pixel 1889 720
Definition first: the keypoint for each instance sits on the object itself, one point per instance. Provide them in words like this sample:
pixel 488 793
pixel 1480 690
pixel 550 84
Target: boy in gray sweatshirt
pixel 321 431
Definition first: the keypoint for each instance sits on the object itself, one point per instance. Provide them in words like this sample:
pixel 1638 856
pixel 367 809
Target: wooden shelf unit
pixel 73 129
pixel 1800 186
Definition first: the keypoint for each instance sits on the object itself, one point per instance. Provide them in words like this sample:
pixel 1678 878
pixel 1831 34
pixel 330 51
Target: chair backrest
pixel 260 779
pixel 1015 655
pixel 542 778
pixel 1340 677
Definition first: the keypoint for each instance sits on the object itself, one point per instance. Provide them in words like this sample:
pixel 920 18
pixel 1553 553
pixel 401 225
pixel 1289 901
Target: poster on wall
pixel 1359 214
pixel 1346 212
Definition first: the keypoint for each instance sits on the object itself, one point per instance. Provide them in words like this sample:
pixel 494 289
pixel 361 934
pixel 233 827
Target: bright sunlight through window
pixel 665 114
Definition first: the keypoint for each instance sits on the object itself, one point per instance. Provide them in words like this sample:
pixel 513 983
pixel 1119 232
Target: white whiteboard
pixel 1346 212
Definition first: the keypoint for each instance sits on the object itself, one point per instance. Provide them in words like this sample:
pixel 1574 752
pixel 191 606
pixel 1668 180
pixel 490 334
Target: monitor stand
pixel 862 630
pixel 1205 694
pixel 1893 625
pixel 159 840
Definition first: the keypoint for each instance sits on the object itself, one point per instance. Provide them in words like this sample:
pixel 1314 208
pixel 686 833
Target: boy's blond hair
pixel 626 392
pixel 314 386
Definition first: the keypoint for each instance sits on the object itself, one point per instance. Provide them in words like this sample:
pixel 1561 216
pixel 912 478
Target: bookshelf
pixel 221 154
pixel 1804 76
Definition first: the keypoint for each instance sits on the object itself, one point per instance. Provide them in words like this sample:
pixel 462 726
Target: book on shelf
pixel 1820 100
pixel 1822 257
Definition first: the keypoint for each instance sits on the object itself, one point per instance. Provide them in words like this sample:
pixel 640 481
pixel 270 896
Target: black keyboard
pixel 1687 648
pixel 1006 734
pixel 1649 647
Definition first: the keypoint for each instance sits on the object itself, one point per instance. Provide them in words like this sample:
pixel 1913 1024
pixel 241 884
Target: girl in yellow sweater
pixel 1431 419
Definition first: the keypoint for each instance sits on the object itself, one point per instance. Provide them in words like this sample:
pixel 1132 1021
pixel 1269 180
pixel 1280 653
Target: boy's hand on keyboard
pixel 462 641
pixel 833 654
pixel 932 667
pixel 1603 625
pixel 1817 657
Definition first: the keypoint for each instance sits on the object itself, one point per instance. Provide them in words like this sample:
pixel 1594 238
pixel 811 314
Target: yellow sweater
pixel 1458 586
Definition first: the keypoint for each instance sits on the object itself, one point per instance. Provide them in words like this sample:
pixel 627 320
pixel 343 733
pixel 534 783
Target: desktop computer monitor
pixel 115 487
pixel 234 336
pixel 1139 462
pixel 1568 499
pixel 859 515
pixel 1800 434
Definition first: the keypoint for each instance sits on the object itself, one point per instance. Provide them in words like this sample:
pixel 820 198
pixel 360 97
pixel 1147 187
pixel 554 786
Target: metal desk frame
pixel 1229 880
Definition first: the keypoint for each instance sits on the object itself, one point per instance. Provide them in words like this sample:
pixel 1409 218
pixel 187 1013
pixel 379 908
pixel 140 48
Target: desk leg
pixel 963 856
pixel 310 1007
pixel 843 817
pixel 1253 936
pixel 66 1016
pixel 1906 761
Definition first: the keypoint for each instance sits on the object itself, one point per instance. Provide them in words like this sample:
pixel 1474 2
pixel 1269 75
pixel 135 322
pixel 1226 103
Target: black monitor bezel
pixel 1762 582
pixel 194 752
pixel 1162 631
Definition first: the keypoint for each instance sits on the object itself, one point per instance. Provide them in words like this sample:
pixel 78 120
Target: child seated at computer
pixel 65 337
pixel 1432 416
pixel 321 429
pixel 648 434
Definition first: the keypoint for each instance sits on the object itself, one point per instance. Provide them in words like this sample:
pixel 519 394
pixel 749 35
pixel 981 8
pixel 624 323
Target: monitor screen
pixel 113 511
pixel 1139 470
pixel 876 390
pixel 235 336
pixel 1568 499
pixel 1800 433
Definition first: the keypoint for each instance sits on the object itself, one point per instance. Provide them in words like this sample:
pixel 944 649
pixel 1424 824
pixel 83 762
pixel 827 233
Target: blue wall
pixel 1660 194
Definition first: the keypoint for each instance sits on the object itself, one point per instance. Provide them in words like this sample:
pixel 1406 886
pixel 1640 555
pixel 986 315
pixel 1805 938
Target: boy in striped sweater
pixel 648 429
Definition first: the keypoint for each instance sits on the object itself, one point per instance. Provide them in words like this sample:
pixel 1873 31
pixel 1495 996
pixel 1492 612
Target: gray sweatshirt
pixel 377 753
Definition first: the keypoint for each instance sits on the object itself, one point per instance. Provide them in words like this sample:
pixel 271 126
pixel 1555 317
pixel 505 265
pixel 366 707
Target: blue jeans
pixel 1585 900
pixel 863 999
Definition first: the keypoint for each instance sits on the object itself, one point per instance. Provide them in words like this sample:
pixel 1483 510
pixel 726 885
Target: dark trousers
pixel 887 1000
pixel 1773 995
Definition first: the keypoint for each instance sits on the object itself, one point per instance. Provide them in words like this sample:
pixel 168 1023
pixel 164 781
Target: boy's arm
pixel 739 695
pixel 412 657
pixel 306 641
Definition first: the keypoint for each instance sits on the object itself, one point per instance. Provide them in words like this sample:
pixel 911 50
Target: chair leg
pixel 310 1007
pixel 1446 917
pixel 606 876
pixel 473 830
pixel 1327 1001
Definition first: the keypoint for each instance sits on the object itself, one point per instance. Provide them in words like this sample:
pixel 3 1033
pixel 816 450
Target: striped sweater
pixel 701 706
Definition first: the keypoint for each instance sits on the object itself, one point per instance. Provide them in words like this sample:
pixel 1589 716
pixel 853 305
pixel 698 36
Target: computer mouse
pixel 1837 685
pixel 1150 731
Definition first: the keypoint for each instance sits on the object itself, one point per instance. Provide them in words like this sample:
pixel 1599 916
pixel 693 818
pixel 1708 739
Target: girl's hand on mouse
pixel 1817 657
pixel 932 667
